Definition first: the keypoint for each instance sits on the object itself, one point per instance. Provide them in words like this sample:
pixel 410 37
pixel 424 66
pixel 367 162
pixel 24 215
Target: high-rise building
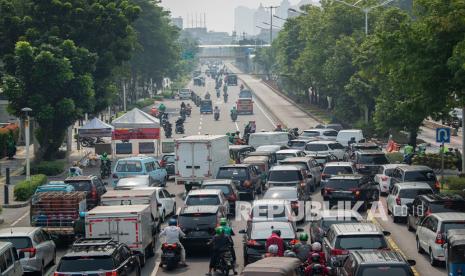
pixel 281 12
pixel 261 15
pixel 178 22
pixel 244 21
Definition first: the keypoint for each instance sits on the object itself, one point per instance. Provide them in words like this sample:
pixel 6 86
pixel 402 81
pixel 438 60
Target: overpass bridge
pixel 232 51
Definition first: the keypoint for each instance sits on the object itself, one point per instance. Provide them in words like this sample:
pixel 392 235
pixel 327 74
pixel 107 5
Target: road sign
pixel 443 135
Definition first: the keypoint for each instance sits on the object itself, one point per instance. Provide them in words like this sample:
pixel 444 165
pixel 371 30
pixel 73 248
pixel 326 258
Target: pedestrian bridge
pixel 233 51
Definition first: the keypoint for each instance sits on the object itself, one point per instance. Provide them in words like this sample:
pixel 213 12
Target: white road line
pixel 198 133
pixel 155 270
pixel 264 113
pixel 237 126
pixel 21 218
pixel 200 127
pixel 200 122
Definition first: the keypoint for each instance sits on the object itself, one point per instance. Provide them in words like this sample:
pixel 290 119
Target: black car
pixel 95 257
pixel 199 223
pixel 368 162
pixel 375 262
pixel 415 174
pixel 424 205
pixel 167 161
pixel 246 178
pixel 91 184
pixel 353 188
pixel 226 186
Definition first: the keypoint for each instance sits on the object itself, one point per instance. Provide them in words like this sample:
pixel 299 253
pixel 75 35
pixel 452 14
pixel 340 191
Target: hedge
pixel 395 157
pixel 4 132
pixel 433 160
pixel 49 168
pixel 455 182
pixel 25 189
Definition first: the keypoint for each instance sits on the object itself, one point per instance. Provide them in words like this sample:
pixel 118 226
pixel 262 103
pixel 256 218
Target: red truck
pixel 244 104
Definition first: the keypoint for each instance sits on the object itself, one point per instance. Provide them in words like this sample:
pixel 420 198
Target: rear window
pixel 448 206
pixel 446 226
pixel 285 176
pixel 373 159
pixel 81 186
pixel 342 183
pixel 386 271
pixel 334 170
pixel 310 133
pixel 85 263
pixel 420 176
pixel 196 219
pixel 316 147
pixel 412 193
pixel 302 166
pixel 298 144
pixel 350 242
pixel 129 166
pixel 282 156
pixel 325 224
pixel 202 200
pixel 232 173
pixel 331 133
pixel 261 231
pixel 169 158
pixel 225 189
pixel 18 242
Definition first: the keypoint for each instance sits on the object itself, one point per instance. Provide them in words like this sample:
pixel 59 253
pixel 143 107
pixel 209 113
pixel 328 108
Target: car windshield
pixel 350 242
pixel 334 170
pixel 169 158
pixel 310 133
pixel 280 194
pixel 373 159
pixel 262 230
pixel 202 200
pixel 326 223
pixel 271 211
pixel 386 271
pixel 129 166
pixel 446 226
pixel 232 173
pixel 225 189
pixel 285 176
pixel 300 165
pixel 342 183
pixel 420 176
pixel 331 133
pixel 18 242
pixel 335 146
pixel 298 144
pixel 448 206
pixel 412 193
pixel 282 156
pixel 196 219
pixel 320 159
pixel 85 263
pixel 80 186
pixel 316 147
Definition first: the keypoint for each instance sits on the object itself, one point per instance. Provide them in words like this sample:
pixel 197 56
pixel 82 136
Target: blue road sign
pixel 443 135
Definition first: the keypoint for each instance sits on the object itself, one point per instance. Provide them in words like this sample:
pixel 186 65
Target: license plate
pixel 198 234
pixel 341 194
pixel 169 254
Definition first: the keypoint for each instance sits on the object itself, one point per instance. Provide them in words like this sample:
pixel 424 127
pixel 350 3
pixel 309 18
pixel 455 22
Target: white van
pixel 185 94
pixel 268 138
pixel 344 136
pixel 9 260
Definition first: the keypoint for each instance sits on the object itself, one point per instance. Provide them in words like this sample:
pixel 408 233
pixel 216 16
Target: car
pixel 91 184
pixel 226 186
pixel 35 248
pixel 322 158
pixel 199 223
pixel 167 201
pixel 185 94
pixel 383 177
pixel 403 194
pixel 353 188
pixel 321 134
pixel 334 168
pixel 309 164
pixel 134 182
pixel 415 173
pixel 291 176
pixel 207 197
pixel 271 210
pixel 375 262
pixel 283 154
pixel 336 127
pixel 298 144
pixel 245 94
pixel 273 149
pixel 167 161
pixel 346 135
pixel 342 238
pixel 322 147
pixel 290 194
pixel 323 220
pixel 11 265
pixel 368 162
pixel 431 234
pixel 254 237
pixel 360 146
pixel 104 255
pixel 246 178
pixel 139 165
pixel 424 205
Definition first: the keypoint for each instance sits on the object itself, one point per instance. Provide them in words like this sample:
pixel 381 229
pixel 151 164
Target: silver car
pixel 36 249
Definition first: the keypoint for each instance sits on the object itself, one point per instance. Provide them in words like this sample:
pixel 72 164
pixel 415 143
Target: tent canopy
pixel 95 128
pixel 136 118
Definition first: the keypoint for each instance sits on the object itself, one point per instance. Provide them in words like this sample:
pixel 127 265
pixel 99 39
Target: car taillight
pixel 114 176
pixel 58 274
pixel 294 242
pixel 111 273
pixel 302 184
pixel 437 185
pixel 93 193
pixel 356 192
pixel 169 246
pixel 162 163
pixel 253 243
pixel 31 250
pixel 327 191
pixel 181 182
pixel 336 252
pixel 440 239
pixel 247 183
pixel 398 201
pixel 384 178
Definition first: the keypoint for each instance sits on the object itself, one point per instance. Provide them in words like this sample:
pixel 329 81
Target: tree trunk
pixel 413 134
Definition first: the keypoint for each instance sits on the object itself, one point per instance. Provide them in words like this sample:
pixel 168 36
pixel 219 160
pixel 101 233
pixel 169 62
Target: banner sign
pixel 136 133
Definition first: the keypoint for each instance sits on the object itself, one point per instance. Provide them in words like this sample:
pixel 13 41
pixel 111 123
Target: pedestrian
pixel 458 162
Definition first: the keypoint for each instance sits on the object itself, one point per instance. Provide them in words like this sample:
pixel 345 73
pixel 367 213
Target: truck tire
pixel 142 260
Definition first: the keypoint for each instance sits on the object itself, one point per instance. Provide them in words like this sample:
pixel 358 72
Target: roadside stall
pixel 136 132
pixel 92 132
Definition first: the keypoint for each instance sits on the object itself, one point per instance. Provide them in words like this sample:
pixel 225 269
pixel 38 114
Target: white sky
pixel 219 13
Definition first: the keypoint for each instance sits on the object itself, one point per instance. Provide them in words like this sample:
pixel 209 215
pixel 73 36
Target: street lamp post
pixel 26 110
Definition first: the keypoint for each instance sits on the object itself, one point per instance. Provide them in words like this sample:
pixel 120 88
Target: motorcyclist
pixel 173 233
pixel 316 248
pixel 183 105
pixel 162 108
pixel 302 249
pixel 278 128
pixel 275 238
pixel 225 89
pixel 207 96
pixel 408 153
pixel 219 244
pixel 228 231
pixel 179 121
pixel 272 251
pixel 75 170
pixel 233 111
pixel 242 87
pixel 216 111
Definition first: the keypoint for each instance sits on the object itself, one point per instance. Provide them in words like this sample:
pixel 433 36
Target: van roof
pixel 117 209
pixel 141 157
pixel 350 130
pixel 285 168
pixel 128 193
pixel 200 138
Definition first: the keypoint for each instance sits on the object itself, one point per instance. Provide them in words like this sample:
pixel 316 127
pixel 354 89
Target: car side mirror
pixel 172 195
pixel 386 233
pixel 242 231
pixel 411 262
pixel 21 255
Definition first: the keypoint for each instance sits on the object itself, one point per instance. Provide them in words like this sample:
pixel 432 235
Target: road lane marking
pixel 155 270
pixel 200 127
pixel 237 126
pixel 264 113
pixel 20 219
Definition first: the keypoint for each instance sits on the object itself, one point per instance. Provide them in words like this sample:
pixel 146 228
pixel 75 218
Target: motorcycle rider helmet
pixel 273 249
pixel 290 253
pixel 303 237
pixel 315 258
pixel 316 246
pixel 219 230
pixel 104 155
pixel 172 222
pixel 317 269
pixel 223 221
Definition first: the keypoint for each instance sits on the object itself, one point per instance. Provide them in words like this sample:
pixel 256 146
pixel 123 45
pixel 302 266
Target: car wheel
pixel 395 219
pixel 419 249
pixel 432 260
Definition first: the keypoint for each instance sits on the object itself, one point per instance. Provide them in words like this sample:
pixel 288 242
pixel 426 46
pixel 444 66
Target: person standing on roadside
pixel 458 156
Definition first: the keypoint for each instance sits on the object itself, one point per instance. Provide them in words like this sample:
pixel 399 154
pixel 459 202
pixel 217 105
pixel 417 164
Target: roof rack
pixel 93 242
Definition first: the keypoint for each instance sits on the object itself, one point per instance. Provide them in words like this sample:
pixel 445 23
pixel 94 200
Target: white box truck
pixel 199 157
pixel 131 225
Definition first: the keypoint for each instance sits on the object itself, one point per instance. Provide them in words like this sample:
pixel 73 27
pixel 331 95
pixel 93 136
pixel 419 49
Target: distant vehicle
pixel 383 177
pixel 325 147
pixel 319 227
pixel 246 179
pixel 283 154
pixel 244 106
pixel 245 94
pixel 336 127
pixel 35 247
pixel 368 162
pixel 134 182
pixel 166 201
pixel 291 194
pixel 139 165
pixel 298 144
pixel 403 194
pixel 185 94
pixel 55 186
pixel 415 174
pixel 167 161
pixel 204 197
pixel 206 107
pixel 309 164
pixel 323 158
pixel 91 184
pixel 344 136
pixel 239 152
pixel 291 176
pixel 98 256
pixel 231 80
pixel 227 187
pixel 336 168
pixel 12 265
pixel 267 210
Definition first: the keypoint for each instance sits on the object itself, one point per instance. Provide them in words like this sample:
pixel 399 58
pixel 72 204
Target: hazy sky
pixel 219 13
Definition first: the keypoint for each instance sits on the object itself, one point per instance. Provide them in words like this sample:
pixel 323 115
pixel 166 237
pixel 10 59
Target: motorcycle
pixel 89 142
pixel 225 263
pixel 234 116
pixel 225 98
pixel 105 169
pixel 168 130
pixel 188 111
pixel 179 129
pixel 217 116
pixel 171 255
pixel 218 94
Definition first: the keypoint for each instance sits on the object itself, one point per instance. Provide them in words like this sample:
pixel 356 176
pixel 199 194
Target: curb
pixel 16 205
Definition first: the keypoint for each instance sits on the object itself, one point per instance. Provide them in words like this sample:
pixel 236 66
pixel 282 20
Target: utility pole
pixel 271 21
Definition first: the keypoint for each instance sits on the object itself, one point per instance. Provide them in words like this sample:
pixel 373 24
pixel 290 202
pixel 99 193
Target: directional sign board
pixel 443 135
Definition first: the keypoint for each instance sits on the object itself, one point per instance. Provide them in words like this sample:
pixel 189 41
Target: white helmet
pixel 273 249
pixel 316 246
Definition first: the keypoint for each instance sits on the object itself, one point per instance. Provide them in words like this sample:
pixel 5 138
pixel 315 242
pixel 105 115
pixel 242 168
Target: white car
pixel 383 177
pixel 207 197
pixel 403 194
pixel 324 147
pixel 321 134
pixel 167 201
pixel 283 154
